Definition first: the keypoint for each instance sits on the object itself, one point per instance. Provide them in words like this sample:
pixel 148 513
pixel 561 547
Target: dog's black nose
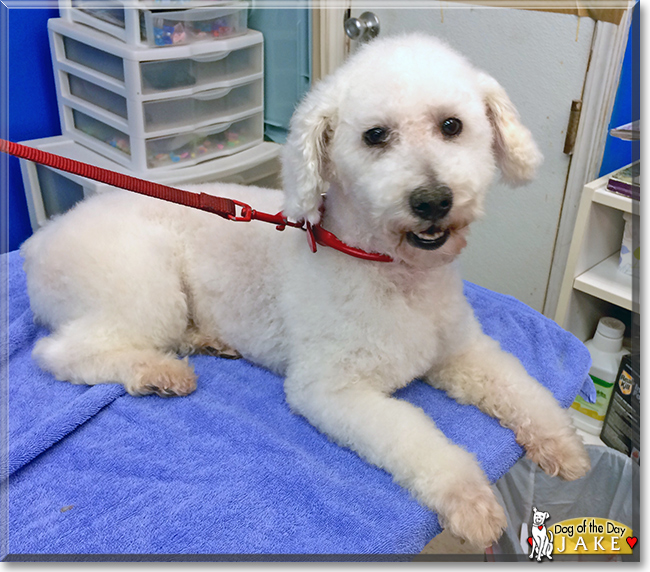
pixel 431 203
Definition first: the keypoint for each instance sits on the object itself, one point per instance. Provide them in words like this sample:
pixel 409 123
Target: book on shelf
pixel 626 181
pixel 628 132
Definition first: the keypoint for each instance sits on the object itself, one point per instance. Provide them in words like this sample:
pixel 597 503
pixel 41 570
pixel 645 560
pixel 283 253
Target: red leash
pixel 225 208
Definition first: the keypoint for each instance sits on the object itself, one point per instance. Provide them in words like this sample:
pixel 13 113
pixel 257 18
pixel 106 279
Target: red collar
pixel 317 234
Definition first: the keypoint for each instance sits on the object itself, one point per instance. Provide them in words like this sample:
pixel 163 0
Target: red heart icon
pixel 540 526
pixel 631 540
pixel 530 540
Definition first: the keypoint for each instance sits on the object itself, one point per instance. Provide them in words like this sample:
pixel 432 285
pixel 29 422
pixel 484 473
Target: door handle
pixel 363 28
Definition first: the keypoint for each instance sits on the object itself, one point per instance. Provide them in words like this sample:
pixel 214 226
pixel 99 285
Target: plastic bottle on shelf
pixel 606 349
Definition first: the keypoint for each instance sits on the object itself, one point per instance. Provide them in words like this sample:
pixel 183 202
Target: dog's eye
pixel 376 136
pixel 451 126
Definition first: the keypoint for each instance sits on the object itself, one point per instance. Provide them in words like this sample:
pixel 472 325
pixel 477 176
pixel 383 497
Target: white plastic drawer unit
pixel 155 109
pixel 50 192
pixel 160 23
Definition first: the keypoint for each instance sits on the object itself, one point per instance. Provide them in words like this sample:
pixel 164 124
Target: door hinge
pixel 572 127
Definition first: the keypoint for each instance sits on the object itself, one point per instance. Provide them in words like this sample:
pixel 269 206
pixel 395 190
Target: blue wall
pixel 619 153
pixel 28 85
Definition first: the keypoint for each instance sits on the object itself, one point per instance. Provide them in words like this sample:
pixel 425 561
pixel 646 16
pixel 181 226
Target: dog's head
pixel 539 517
pixel 405 137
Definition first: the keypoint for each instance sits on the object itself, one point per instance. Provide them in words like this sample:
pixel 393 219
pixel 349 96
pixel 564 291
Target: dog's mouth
pixel 430 239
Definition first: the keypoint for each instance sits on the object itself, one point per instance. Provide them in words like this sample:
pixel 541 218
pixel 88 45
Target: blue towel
pixel 228 469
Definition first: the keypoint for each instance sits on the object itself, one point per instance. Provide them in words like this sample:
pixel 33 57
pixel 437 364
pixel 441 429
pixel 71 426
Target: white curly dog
pixel 404 139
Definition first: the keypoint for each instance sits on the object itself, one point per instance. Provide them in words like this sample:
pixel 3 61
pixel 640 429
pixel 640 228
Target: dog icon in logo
pixel 541 541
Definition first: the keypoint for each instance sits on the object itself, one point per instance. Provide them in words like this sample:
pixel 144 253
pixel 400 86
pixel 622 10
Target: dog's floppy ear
pixel 516 152
pixel 305 154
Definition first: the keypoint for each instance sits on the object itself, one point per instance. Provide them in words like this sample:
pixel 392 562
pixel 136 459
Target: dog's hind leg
pixel 196 342
pixel 80 352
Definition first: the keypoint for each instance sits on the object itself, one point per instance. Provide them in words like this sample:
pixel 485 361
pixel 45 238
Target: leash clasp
pixel 279 220
pixel 246 213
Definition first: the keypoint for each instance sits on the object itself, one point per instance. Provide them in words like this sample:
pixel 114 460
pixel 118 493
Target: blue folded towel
pixel 228 469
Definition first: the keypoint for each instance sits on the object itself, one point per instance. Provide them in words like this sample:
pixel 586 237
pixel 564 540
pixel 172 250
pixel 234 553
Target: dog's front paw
pixel 473 513
pixel 560 454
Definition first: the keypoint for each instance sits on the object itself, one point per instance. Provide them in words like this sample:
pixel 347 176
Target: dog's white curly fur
pixel 126 282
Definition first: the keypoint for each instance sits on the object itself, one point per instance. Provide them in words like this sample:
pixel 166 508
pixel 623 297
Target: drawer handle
pixel 213 94
pixel 211 57
pixel 213 130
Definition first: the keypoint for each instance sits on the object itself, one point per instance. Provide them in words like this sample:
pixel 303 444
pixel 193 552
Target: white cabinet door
pixel 541 59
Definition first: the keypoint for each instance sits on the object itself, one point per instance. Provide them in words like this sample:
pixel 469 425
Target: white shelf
pixel 609 199
pixel 592 287
pixel 604 281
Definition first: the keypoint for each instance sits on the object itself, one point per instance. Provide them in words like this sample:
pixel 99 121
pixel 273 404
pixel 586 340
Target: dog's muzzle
pixel 430 204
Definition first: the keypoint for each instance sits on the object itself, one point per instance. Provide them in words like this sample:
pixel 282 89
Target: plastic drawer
pixel 203 108
pixel 97 95
pixel 195 25
pixel 199 71
pixel 99 130
pixel 58 192
pixel 91 58
pixel 139 71
pixel 95 130
pixel 50 192
pixel 162 116
pixel 160 23
pixel 207 143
